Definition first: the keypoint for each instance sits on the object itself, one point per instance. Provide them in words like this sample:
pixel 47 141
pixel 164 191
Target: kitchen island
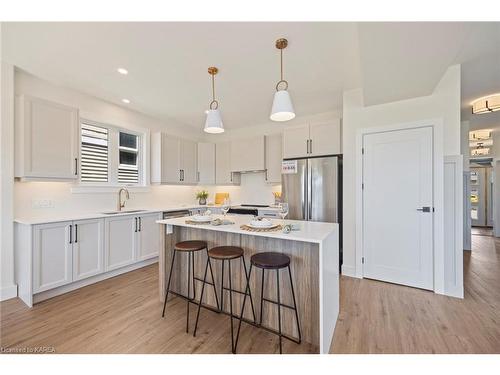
pixel 314 253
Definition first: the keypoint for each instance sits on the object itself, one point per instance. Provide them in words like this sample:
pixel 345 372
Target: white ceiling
pixel 168 63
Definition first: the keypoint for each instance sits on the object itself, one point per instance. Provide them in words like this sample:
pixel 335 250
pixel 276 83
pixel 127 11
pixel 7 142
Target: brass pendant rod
pixel 213 87
pixel 281 65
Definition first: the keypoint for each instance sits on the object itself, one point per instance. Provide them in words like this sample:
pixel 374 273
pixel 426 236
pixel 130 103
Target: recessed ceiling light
pixel 126 101
pixel 122 71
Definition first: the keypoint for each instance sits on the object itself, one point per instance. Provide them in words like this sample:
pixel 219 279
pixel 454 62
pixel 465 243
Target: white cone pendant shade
pixel 282 107
pixel 213 123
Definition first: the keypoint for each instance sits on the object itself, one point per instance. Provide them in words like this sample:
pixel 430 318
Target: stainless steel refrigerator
pixel 312 188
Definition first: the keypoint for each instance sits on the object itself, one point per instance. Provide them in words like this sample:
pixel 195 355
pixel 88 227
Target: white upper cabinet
pixel 325 139
pixel 223 173
pixel 312 140
pixel 188 160
pixel 274 157
pixel 296 142
pixel 46 140
pixel 206 163
pixel 248 154
pixel 52 256
pixel 88 248
pixel 173 160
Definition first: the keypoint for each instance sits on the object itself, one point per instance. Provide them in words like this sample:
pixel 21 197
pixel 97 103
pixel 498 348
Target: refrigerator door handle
pixel 309 191
pixel 304 197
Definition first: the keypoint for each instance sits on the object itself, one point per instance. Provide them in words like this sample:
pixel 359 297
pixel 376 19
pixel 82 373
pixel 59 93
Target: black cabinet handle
pixel 310 146
pixel 76 166
pixel 140 224
pixel 135 230
pixel 71 234
pixel 76 233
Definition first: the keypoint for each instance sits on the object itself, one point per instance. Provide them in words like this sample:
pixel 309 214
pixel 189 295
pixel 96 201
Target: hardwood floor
pixel 377 317
pixel 122 315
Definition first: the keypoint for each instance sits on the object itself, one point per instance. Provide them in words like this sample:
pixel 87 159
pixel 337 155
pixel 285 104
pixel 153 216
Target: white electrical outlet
pixel 42 203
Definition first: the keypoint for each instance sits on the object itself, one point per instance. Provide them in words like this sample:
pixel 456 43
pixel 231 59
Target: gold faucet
pixel 127 196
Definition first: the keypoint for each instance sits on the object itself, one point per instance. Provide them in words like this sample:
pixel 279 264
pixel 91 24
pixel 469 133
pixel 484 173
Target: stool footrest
pixel 236 291
pixel 276 303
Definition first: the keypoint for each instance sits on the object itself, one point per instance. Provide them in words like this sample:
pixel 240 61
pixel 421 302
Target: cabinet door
pixel 295 142
pixel 206 163
pixel 88 248
pixel 52 256
pixel 170 159
pixel 274 157
pixel 325 139
pixel 188 162
pixel 223 174
pixel 49 141
pixel 120 243
pixel 248 154
pixel 148 236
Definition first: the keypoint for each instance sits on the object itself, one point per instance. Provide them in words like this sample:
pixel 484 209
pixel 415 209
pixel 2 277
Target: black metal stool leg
pixel 222 288
pixel 168 284
pixel 247 289
pixel 213 281
pixel 189 291
pixel 279 306
pixel 231 305
pixel 294 304
pixel 201 298
pixel 193 275
pixel 261 296
pixel 243 307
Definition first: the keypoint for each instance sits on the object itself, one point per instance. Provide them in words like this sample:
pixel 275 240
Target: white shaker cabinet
pixel 46 135
pixel 223 173
pixel 274 157
pixel 173 160
pixel 248 154
pixel 206 163
pixel 52 255
pixel 312 140
pixel 148 236
pixel 88 248
pixel 120 241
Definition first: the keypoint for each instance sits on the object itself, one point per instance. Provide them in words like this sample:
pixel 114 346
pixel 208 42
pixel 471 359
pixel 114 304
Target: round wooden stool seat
pixel 225 252
pixel 270 260
pixel 190 245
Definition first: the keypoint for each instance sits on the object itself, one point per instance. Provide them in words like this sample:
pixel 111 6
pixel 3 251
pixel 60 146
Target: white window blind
pixel 94 149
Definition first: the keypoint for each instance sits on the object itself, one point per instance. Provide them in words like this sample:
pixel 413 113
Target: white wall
pixel 443 104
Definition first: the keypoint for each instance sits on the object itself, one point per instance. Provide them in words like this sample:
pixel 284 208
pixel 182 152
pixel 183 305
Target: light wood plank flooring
pixel 122 315
pixel 379 317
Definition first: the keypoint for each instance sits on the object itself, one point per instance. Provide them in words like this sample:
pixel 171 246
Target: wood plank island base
pixel 314 253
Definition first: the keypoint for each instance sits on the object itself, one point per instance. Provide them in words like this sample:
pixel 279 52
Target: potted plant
pixel 202 197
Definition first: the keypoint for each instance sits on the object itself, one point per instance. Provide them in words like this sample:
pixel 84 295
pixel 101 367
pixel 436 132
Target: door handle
pixel 71 234
pixel 140 224
pixel 310 146
pixel 135 230
pixel 425 209
pixel 76 166
pixel 76 233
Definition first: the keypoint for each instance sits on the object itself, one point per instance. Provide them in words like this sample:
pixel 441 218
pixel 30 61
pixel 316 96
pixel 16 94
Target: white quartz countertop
pixel 44 218
pixel 310 231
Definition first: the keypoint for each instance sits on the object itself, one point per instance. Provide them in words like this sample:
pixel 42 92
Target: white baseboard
pixel 8 292
pixel 91 280
pixel 349 271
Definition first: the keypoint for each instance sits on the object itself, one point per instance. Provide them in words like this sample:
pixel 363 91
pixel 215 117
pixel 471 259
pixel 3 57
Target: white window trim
pixel 143 160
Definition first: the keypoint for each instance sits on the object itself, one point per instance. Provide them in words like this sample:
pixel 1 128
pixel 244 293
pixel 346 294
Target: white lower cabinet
pixel 148 237
pixel 120 246
pixel 88 248
pixel 52 256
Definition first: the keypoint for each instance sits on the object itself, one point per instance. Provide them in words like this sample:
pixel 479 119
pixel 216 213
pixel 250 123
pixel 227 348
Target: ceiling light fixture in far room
pixel 282 109
pixel 122 71
pixel 486 104
pixel 126 101
pixel 213 123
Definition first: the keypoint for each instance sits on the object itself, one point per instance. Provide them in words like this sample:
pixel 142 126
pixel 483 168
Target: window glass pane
pixel 129 158
pixel 94 149
pixel 128 140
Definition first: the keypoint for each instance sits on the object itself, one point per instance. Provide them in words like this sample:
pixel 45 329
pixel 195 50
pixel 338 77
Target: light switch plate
pixel 42 203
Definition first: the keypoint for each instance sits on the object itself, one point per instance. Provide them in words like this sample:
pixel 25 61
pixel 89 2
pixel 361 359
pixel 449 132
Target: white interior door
pixel 398 207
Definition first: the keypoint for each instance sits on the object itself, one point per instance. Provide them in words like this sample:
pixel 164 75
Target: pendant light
pixel 282 104
pixel 213 123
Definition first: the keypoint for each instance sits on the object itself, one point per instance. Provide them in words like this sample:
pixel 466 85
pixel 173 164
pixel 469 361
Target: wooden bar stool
pixel 189 247
pixel 227 253
pixel 273 261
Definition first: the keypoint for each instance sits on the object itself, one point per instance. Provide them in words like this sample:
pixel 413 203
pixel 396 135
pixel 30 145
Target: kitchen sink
pixel 121 212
